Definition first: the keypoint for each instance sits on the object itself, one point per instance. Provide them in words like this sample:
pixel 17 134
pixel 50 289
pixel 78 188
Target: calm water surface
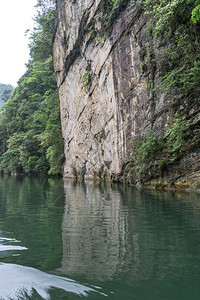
pixel 66 240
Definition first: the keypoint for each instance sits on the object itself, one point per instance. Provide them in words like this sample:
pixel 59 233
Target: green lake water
pixel 65 240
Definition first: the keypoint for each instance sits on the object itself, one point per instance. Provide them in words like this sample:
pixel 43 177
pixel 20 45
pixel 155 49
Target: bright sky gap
pixel 15 18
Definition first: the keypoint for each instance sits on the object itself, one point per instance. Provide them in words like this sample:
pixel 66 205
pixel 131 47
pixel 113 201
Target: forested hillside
pixel 30 130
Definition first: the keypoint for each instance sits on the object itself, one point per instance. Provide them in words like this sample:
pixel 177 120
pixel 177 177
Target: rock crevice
pixel 106 83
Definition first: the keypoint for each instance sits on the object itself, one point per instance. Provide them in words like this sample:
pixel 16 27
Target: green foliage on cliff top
pixel 179 22
pixel 30 129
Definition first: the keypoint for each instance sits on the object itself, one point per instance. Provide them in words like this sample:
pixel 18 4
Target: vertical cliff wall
pixel 101 59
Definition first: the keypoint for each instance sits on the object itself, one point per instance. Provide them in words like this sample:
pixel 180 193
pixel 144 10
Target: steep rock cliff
pixel 101 51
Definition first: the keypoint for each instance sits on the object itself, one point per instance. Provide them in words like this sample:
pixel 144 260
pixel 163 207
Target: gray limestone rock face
pixel 106 83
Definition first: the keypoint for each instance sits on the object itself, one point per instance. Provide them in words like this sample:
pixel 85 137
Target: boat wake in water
pixel 9 247
pixel 19 282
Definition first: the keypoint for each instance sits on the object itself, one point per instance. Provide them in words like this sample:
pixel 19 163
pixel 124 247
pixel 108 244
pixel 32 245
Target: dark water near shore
pixel 66 240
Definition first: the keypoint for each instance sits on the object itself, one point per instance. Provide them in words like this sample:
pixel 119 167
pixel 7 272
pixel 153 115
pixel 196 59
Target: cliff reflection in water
pixel 120 233
pixel 95 231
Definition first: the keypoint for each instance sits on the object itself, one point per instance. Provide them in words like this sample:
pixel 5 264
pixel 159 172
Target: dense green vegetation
pixel 177 24
pixel 153 153
pixel 30 130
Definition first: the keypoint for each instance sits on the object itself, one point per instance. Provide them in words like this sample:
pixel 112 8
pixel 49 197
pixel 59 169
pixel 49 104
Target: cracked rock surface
pixel 99 54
